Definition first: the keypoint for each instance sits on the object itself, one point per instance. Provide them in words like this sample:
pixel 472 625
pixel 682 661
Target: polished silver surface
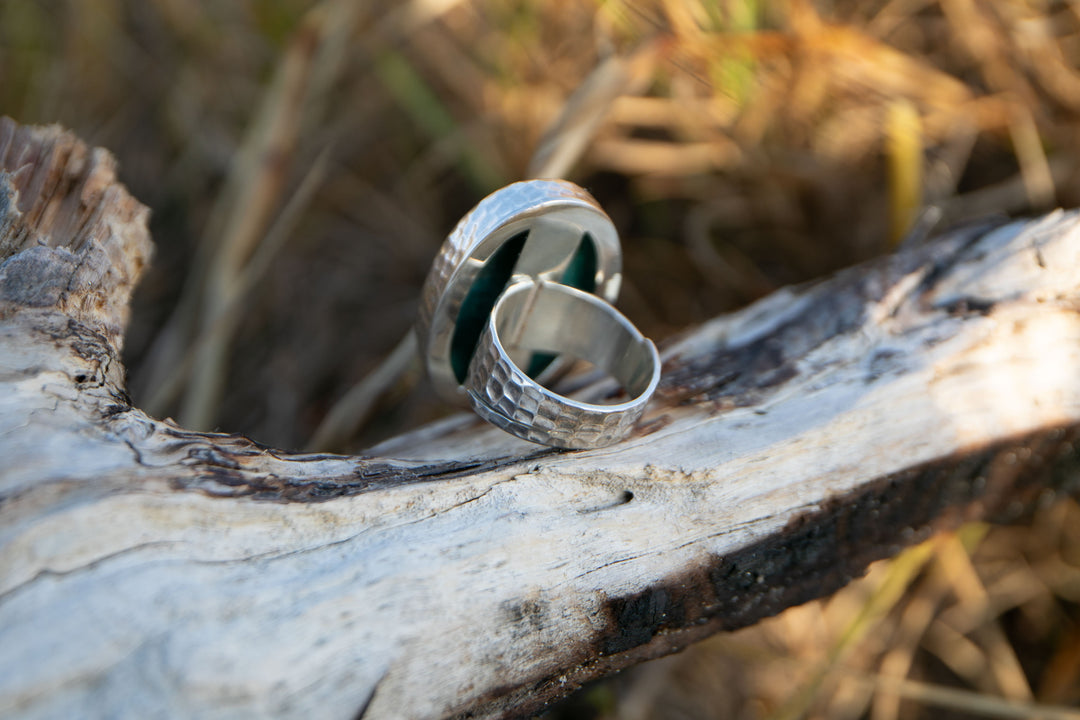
pixel 555 218
pixel 552 318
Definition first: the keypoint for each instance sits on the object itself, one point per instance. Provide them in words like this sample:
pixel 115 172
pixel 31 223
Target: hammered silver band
pixel 521 287
pixel 552 318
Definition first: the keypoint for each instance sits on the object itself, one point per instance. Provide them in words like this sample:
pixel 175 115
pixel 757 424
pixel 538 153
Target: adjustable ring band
pixel 553 318
pixel 523 283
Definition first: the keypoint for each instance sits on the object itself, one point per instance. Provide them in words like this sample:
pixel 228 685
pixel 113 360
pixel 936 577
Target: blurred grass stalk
pixel 254 189
pixel 969 701
pixel 222 327
pixel 567 139
pixel 902 572
pixel 991 664
pixel 905 604
pixel 904 153
pixel 198 334
pixel 424 107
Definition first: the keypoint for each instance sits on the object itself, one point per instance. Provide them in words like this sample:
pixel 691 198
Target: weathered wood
pixel 150 571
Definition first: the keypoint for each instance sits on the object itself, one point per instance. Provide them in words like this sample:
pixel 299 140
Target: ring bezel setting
pixel 521 287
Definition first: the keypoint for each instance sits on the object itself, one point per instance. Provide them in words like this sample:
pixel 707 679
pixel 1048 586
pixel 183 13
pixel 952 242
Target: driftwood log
pixel 148 571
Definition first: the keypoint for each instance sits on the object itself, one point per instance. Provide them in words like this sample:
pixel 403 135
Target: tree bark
pixel 148 571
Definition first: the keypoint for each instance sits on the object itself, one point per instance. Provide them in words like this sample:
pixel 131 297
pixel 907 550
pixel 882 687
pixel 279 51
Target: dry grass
pixel 305 159
pixel 979 623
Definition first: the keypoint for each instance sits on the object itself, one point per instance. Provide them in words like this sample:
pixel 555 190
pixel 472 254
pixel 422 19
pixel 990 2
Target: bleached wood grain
pixel 147 571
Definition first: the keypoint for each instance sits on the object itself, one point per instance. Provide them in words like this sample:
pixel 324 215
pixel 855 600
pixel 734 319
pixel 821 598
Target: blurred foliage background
pixel 304 160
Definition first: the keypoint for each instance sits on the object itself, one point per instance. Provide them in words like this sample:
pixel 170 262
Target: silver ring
pixel 539 229
pixel 522 285
pixel 552 318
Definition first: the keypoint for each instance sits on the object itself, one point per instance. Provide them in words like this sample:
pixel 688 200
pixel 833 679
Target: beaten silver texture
pixel 557 318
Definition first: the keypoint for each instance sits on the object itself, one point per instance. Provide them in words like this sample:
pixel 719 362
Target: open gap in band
pixel 553 318
pixel 591 374
pixel 580 273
